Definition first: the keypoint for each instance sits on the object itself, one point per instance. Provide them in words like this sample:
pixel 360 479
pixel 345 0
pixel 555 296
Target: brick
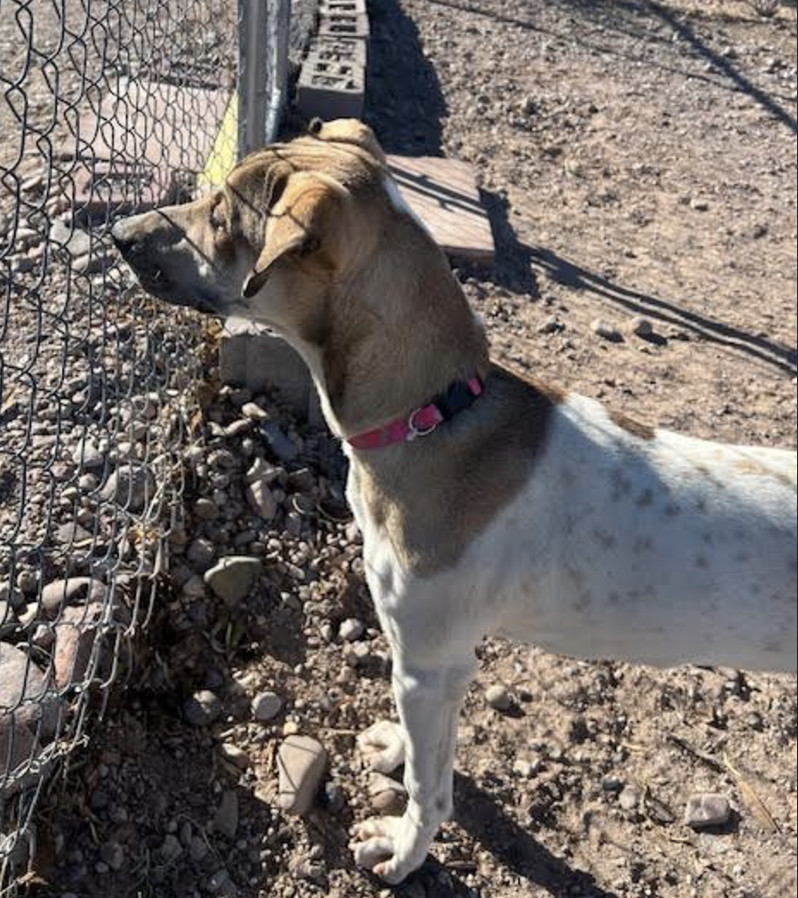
pixel 343 7
pixel 344 25
pixel 331 90
pixel 129 151
pixel 341 49
pixel 444 195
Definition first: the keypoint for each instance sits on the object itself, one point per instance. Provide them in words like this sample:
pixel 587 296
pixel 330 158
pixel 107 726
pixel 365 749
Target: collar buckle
pixel 415 431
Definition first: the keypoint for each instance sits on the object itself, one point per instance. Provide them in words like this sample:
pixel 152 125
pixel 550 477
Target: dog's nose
pixel 123 239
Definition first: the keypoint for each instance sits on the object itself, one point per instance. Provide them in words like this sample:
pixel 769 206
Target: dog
pixel 488 503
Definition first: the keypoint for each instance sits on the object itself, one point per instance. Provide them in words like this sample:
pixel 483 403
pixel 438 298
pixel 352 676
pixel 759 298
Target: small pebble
pixel 498 698
pixel 641 327
pixel 707 809
pixel 351 630
pixel 203 709
pixel 266 707
pixel 629 799
pixel 606 331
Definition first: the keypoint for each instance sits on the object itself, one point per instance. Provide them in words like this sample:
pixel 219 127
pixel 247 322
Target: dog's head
pixel 290 219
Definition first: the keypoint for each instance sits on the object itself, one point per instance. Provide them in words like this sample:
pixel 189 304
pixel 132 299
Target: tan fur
pixel 630 425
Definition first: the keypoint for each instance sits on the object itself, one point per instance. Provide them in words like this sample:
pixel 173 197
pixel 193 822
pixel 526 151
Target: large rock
pixel 233 577
pixel 72 591
pixel 301 764
pixel 28 713
pixel 75 634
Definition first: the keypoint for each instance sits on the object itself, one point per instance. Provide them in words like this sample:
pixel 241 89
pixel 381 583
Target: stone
pixel 707 809
pixel 351 630
pixel 301 764
pixel 266 707
pixel 233 577
pixel 226 819
pixel 277 441
pixel 28 712
pixel 235 755
pixel 59 594
pixel 261 499
pixel 629 798
pixel 606 331
pixel 550 325
pixel 113 854
pixel 387 796
pixel 131 486
pixel 498 698
pixel 203 708
pixel 205 509
pixel 201 553
pixel 75 634
pixel 171 849
pixel 641 326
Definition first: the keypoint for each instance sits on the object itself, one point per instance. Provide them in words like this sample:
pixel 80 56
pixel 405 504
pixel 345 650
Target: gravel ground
pixel 638 160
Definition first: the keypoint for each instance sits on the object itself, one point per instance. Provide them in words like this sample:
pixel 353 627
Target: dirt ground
pixel 637 159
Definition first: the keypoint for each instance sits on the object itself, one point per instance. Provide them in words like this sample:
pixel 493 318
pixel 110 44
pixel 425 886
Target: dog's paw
pixel 385 846
pixel 383 746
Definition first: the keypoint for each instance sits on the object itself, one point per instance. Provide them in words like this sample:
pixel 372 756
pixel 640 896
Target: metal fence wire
pixel 106 107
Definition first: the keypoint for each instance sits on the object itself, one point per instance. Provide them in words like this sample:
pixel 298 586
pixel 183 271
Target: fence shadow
pixel 404 101
pixel 518 265
pixel 487 822
pixel 609 12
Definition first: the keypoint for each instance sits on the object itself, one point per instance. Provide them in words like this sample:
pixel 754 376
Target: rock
pixel 171 849
pixel 629 798
pixel 278 442
pixel 612 784
pixel 131 486
pixel 262 470
pixel 254 412
pixel 198 849
pixel 387 796
pixel 301 763
pixel 233 577
pixel 226 819
pixel 73 591
pixel 194 587
pixel 72 535
pixel 707 809
pixel 699 204
pixel 11 596
pixel 351 630
pixel 266 707
pixel 606 331
pixel 113 854
pixel 551 325
pixel 641 327
pixel 203 708
pixel 205 509
pixel 498 698
pixel 235 755
pixel 261 499
pixel 24 728
pixel 75 634
pixel 88 457
pixel 201 553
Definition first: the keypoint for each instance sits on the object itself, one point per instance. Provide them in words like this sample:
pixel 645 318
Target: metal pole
pixel 253 91
pixel 280 20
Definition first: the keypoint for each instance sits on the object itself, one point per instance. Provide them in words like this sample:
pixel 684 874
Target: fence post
pixel 264 27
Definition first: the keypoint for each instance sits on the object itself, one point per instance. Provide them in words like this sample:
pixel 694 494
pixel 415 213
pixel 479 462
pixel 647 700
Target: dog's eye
pixel 218 218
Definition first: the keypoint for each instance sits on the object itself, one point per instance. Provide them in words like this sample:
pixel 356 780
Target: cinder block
pixel 344 25
pixel 331 90
pixel 341 50
pixel 252 357
pixel 343 7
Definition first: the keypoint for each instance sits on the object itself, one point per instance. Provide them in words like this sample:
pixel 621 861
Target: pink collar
pixel 420 423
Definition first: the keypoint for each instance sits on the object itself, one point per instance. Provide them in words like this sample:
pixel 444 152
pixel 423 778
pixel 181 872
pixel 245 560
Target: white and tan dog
pixel 488 503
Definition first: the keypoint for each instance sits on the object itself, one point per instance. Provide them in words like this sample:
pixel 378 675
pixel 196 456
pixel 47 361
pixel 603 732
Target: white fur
pixel 660 552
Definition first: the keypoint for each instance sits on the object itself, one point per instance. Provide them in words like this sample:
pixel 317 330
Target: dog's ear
pixel 296 228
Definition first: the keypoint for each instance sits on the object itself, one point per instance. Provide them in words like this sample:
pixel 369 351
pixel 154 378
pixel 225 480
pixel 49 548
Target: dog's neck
pixel 399 330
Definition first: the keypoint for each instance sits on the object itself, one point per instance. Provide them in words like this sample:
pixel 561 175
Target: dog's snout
pixel 124 238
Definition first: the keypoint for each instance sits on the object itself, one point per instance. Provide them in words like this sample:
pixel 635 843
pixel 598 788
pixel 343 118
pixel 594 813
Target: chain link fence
pixel 106 107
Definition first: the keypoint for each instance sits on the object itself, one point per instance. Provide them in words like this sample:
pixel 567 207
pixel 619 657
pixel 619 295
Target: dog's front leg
pixel 429 705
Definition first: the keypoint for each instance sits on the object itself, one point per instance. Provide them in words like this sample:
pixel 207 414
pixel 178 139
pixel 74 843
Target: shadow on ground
pixel 404 102
pixel 518 267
